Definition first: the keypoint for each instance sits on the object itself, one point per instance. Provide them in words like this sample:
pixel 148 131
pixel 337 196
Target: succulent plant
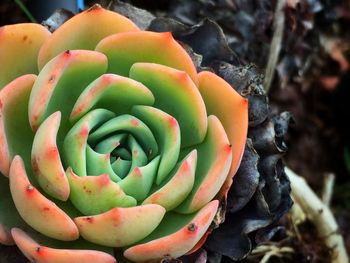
pixel 117 146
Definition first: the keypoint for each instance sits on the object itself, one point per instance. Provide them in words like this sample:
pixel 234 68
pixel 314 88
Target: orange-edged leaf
pixel 176 94
pixel 84 31
pixel 15 133
pixel 177 243
pixel 125 49
pixel 68 73
pixel 214 161
pixel 36 210
pixel 41 254
pixel 19 48
pixel 46 160
pixel 120 227
pixel 225 103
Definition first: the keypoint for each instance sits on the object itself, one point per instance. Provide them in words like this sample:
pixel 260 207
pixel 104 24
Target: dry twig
pixel 320 215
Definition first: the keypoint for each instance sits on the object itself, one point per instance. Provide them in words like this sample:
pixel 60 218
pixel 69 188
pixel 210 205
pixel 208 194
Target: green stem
pixel 26 11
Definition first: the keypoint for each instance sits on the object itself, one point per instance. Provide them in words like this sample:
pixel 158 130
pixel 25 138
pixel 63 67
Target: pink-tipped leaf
pixel 231 108
pixel 36 210
pixel 176 94
pixel 15 133
pixel 42 254
pixel 125 49
pixel 84 31
pixel 19 48
pixel 112 92
pixel 214 161
pixel 178 243
pixel 46 160
pixel 121 227
pixel 68 73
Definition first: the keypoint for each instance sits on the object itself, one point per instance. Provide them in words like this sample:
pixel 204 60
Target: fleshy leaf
pixel 232 111
pixel 35 209
pixel 84 31
pixel 97 163
pixel 130 124
pixel 174 243
pixel 46 160
pixel 112 92
pixel 68 73
pixel 167 133
pixel 121 167
pixel 41 254
pixel 176 94
pixel 178 187
pixel 121 226
pixel 139 181
pixel 138 156
pixel 15 133
pixel 75 143
pixel 110 143
pixel 125 49
pixel 214 161
pixel 93 195
pixel 19 48
pixel 9 216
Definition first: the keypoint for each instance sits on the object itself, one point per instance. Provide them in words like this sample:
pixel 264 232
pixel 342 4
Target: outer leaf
pixel 46 160
pixel 214 161
pixel 175 191
pixel 224 102
pixel 19 48
pixel 84 31
pixel 176 94
pixel 125 49
pixel 167 132
pixel 15 133
pixel 40 254
pixel 121 226
pixel 68 73
pixel 112 92
pixel 96 194
pixel 178 243
pixel 35 209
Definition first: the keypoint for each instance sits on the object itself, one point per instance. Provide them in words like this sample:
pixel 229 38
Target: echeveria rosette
pixel 117 142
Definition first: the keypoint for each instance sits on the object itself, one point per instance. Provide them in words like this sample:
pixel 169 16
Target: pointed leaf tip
pixel 178 243
pixel 35 209
pixel 46 160
pixel 41 254
pixel 121 227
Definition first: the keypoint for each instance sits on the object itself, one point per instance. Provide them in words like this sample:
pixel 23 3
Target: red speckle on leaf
pixel 137 171
pixel 89 219
pixel 185 166
pixel 52 152
pixel 172 121
pixel 135 122
pixel 52 78
pixel 103 179
pixel 84 132
pixel 35 165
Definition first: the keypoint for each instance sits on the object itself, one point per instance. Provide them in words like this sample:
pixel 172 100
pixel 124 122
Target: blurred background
pixel 303 49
